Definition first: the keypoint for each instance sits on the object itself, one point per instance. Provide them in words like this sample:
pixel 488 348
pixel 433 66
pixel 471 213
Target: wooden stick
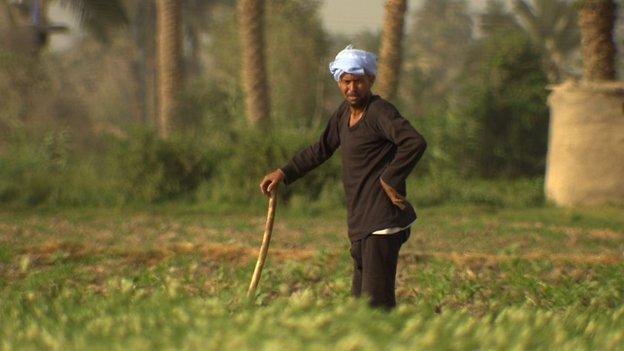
pixel 266 239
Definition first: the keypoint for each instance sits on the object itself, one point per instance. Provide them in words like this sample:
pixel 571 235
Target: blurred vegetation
pixel 500 117
pixel 76 128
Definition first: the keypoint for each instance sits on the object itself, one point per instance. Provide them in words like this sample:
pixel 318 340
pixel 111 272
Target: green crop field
pixel 470 277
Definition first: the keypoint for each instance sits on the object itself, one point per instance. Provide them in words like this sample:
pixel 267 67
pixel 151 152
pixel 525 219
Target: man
pixel 379 149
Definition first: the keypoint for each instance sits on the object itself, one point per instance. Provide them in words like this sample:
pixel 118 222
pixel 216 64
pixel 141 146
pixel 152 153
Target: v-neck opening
pixel 353 127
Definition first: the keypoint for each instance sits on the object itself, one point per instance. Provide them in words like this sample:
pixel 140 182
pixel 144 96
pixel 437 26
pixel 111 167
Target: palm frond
pixel 529 20
pixel 497 18
pixel 98 16
pixel 551 25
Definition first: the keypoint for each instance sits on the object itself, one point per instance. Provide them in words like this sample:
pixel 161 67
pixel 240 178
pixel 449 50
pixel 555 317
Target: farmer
pixel 379 149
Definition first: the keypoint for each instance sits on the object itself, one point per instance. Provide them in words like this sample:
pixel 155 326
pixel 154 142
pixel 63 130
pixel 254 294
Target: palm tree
pixel 149 77
pixel 391 49
pixel 597 19
pixel 551 25
pixel 195 14
pixel 251 22
pixel 169 65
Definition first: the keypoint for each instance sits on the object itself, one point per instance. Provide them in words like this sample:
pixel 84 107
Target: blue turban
pixel 353 61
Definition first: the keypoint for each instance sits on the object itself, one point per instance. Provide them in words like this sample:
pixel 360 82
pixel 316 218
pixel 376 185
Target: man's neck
pixel 358 110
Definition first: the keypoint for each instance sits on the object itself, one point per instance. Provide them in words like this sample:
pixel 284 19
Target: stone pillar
pixel 585 162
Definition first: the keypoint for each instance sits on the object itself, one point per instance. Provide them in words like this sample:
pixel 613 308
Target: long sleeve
pixel 315 154
pixel 409 143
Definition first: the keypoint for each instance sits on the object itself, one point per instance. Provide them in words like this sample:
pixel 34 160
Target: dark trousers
pixel 374 270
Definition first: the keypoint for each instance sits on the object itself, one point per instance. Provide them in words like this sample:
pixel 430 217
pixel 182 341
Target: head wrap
pixel 353 61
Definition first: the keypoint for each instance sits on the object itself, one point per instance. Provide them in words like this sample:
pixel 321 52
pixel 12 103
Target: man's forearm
pixel 409 152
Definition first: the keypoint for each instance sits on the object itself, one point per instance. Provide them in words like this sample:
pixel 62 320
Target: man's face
pixel 355 88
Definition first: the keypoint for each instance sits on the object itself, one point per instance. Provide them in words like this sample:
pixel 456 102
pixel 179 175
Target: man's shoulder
pixel 381 106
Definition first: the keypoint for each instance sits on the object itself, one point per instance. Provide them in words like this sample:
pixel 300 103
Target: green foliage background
pixel 75 133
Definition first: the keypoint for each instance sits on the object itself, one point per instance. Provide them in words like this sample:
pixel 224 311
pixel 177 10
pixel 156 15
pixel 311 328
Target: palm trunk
pixel 251 13
pixel 596 20
pixel 169 51
pixel 151 101
pixel 390 52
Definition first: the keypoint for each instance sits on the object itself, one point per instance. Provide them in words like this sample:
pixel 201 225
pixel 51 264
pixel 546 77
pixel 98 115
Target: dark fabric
pixel 382 144
pixel 375 260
